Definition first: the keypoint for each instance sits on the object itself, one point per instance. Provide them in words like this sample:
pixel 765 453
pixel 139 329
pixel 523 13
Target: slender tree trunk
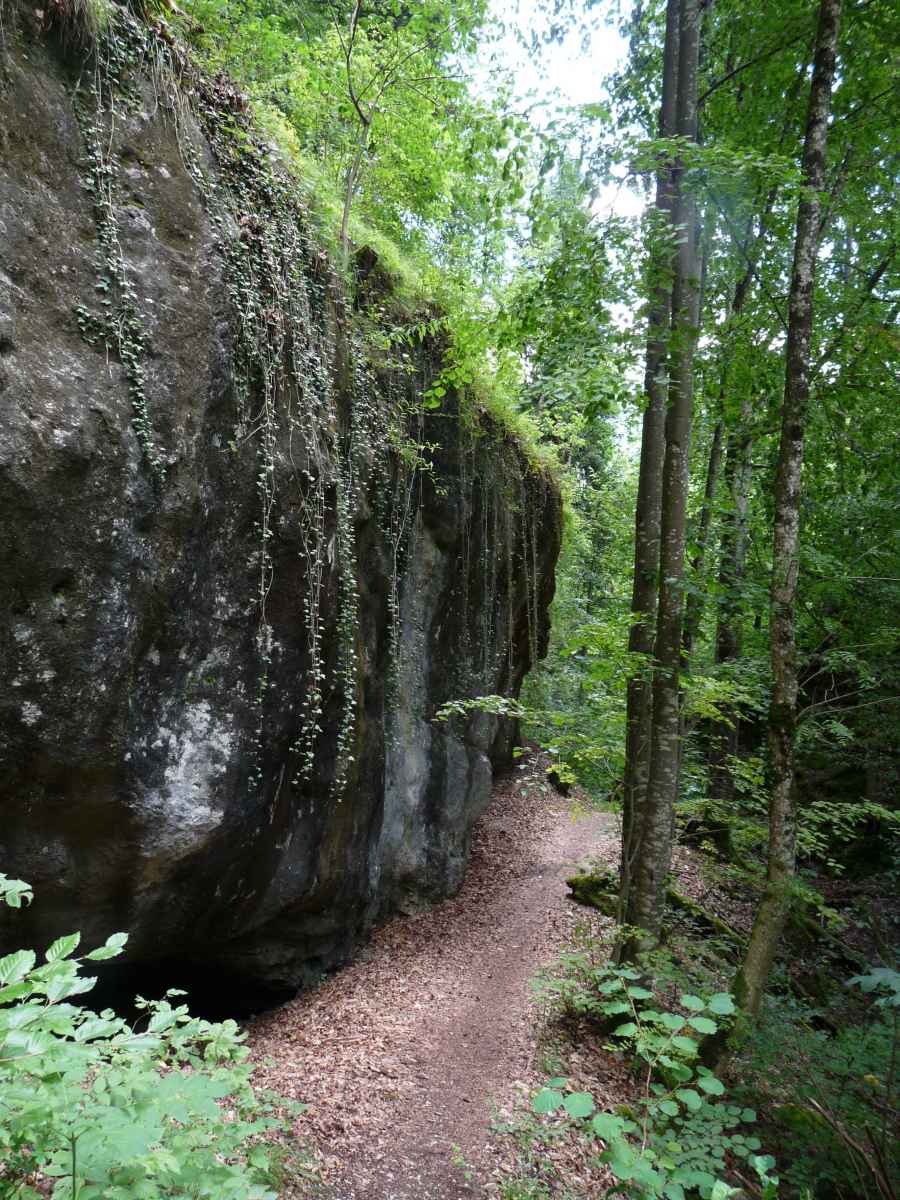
pixel 694 608
pixel 752 247
pixel 751 980
pixel 655 852
pixel 735 531
pixel 649 497
pixel 724 735
pixel 350 185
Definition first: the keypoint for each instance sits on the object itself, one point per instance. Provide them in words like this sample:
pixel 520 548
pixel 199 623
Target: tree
pixel 391 62
pixel 647 891
pixel 649 496
pixel 751 979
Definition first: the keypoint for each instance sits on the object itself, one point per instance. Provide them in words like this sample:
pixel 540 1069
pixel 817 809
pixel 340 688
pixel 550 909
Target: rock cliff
pixel 242 562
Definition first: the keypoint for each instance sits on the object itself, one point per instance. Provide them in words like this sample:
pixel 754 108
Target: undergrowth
pixel 93 1109
pixel 814 1085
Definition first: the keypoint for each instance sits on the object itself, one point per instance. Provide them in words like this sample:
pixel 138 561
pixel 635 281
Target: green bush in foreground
pixel 100 1110
pixel 676 1138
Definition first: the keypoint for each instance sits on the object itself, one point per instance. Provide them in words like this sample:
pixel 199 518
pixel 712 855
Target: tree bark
pixel 723 738
pixel 649 496
pixel 751 980
pixel 694 609
pixel 350 184
pixel 655 851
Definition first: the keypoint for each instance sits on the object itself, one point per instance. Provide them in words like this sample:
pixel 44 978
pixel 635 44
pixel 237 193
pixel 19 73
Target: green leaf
pixel 722 1191
pixel 703 1024
pixel 15 991
pixel 607 1126
pixel 639 993
pixel 711 1085
pixel 63 947
pixel 622 1160
pixel 579 1104
pixel 113 946
pixel 671 1021
pixel 721 1003
pixel 609 986
pixel 669 1107
pixel 694 1003
pixel 26 1041
pixel 685 1044
pixel 14 891
pixel 625 1030
pixel 96 1027
pixel 62 988
pixel 547 1100
pixel 677 1069
pixel 762 1164
pixel 16 966
pixel 689 1098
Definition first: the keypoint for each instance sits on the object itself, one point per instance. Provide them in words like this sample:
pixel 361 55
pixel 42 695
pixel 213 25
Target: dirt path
pixel 400 1055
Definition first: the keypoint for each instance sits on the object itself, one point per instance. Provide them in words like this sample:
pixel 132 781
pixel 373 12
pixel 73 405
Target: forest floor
pixel 405 1057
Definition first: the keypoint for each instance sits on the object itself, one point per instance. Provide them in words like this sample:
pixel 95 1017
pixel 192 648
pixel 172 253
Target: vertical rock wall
pixel 234 584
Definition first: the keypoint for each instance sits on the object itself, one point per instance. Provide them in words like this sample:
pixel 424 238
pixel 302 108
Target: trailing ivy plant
pixel 119 44
pixel 94 1110
pixel 675 1138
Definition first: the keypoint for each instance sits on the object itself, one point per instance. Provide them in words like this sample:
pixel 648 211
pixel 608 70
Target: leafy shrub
pixel 831 1097
pixel 103 1111
pixel 677 1136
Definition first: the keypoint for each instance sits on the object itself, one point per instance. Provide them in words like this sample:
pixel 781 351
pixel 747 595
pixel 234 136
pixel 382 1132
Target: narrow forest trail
pixel 401 1055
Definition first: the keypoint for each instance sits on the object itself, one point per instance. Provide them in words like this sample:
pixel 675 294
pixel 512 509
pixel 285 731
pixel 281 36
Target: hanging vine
pixel 322 448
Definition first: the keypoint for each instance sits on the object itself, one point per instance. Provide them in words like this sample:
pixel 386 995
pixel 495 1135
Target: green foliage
pixel 437 165
pixel 102 1111
pixel 677 1135
pixel 378 125
pixel 498 706
pixel 81 22
pixel 13 892
pixel 576 699
pixel 827 827
pixel 830 1094
pixel 118 325
pixel 884 982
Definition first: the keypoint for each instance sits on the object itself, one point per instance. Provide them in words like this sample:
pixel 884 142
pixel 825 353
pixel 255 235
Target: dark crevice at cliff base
pixel 212 992
pixel 241 564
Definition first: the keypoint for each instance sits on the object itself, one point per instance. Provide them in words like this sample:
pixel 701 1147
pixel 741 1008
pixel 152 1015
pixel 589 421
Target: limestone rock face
pixel 229 606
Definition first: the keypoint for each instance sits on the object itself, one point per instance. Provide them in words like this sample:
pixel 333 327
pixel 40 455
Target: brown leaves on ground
pixel 401 1055
pixel 406 1057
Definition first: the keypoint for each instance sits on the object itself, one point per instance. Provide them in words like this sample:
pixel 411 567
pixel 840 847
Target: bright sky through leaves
pixel 562 73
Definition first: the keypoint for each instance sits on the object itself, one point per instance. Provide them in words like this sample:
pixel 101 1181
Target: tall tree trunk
pixel 655 852
pixel 694 609
pixel 649 496
pixel 723 738
pixel 733 546
pixel 724 735
pixel 751 980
